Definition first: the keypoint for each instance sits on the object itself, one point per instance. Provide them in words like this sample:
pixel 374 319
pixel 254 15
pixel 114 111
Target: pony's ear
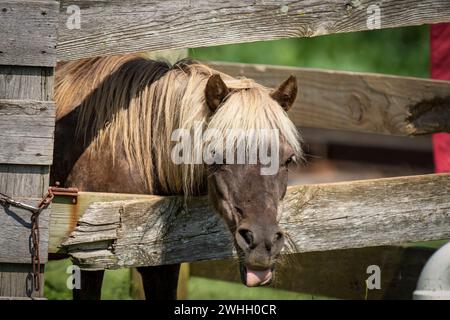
pixel 215 92
pixel 286 93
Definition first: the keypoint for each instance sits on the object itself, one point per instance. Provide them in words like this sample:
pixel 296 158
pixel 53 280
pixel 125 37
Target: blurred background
pixel 332 155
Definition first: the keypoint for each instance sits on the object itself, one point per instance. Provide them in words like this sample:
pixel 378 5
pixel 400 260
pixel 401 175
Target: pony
pixel 114 133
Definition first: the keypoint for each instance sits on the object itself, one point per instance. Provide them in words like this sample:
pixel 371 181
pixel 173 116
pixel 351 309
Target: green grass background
pixel 400 51
pixel 403 51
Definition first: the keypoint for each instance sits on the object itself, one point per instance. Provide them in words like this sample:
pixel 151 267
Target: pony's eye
pixel 291 159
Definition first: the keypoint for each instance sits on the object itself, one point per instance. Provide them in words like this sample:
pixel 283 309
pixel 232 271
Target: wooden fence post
pixel 27 59
pixel 440 69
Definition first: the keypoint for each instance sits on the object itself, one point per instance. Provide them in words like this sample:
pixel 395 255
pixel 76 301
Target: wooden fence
pixel 35 34
pixel 153 230
pixel 29 33
pixel 117 26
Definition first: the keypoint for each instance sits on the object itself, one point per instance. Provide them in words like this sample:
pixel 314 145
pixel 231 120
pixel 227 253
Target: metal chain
pixel 36 211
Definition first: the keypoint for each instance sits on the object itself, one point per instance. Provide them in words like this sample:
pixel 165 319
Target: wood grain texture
pixel 164 230
pixel 22 181
pixel 117 26
pixel 26 83
pixel 29 32
pixel 17 180
pixel 15 231
pixel 65 214
pixel 14 280
pixel 337 273
pixel 362 102
pixel 26 131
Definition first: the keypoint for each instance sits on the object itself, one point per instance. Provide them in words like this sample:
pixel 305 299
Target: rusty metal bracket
pixel 65 192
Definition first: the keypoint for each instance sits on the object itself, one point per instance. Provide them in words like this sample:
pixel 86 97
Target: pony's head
pixel 245 192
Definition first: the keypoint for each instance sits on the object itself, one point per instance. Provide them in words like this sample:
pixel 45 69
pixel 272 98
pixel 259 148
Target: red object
pixel 440 69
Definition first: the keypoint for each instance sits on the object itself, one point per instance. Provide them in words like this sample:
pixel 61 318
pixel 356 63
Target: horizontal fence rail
pixel 152 230
pixel 366 102
pixel 89 28
pixel 28 32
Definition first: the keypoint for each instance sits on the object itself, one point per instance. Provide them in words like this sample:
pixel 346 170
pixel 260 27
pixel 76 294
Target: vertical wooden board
pixel 183 282
pixel 26 131
pixel 15 231
pixel 15 181
pixel 28 181
pixel 11 274
pixel 23 83
pixel 28 32
pixel 136 287
pixel 18 180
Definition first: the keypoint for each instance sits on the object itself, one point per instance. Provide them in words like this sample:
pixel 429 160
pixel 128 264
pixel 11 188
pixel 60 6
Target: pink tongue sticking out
pixel 258 277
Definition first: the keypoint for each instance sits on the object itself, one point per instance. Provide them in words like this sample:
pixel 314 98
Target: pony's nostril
pixel 247 235
pixel 277 238
pixel 278 235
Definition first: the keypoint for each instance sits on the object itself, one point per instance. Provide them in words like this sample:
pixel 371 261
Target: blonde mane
pixel 135 103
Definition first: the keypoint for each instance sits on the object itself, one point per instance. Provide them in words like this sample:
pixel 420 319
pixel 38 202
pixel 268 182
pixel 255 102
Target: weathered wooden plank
pixel 29 32
pixel 22 181
pixel 30 180
pixel 65 214
pixel 117 26
pixel 183 282
pixel 165 230
pixel 15 279
pixel 17 180
pixel 337 273
pixel 358 101
pixel 26 131
pixel 26 83
pixel 15 231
